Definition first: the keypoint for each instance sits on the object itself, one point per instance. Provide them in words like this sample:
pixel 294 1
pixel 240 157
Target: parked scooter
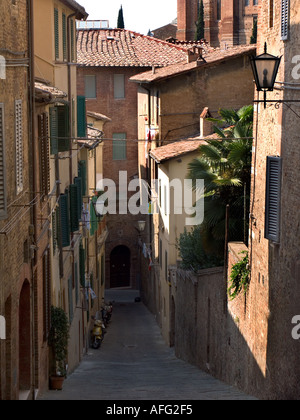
pixel 98 334
pixel 106 311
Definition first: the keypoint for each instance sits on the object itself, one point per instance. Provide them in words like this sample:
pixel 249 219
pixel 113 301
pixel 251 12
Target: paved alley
pixel 135 364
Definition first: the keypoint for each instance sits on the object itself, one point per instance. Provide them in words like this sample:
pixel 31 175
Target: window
pixel 59 129
pixel 119 146
pixel 56 34
pixel 255 2
pixel 82 174
pixel 3 208
pixel 273 198
pixel 55 229
pixel 119 86
pixel 219 11
pixel 64 219
pixel 19 145
pixel 285 6
pixel 247 2
pixel 74 207
pixel 43 141
pixel 90 86
pixel 73 32
pixel 271 13
pixel 82 259
pixel 64 33
pixel 81 116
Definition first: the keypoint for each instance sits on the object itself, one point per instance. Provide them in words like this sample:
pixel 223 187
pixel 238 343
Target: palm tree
pixel 225 166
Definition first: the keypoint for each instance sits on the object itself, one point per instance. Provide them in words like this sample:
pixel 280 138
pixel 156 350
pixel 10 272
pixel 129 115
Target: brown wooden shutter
pixel 19 145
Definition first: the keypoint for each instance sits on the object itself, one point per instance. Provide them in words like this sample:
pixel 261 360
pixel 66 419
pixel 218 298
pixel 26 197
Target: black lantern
pixel 265 69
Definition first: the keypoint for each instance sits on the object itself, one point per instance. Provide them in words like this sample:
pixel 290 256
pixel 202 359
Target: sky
pixel 139 15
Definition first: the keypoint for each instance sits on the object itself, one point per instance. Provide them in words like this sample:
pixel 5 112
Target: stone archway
pixel 120 269
pixel 24 338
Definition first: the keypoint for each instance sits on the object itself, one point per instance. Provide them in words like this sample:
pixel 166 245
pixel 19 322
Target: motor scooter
pixel 106 312
pixel 97 334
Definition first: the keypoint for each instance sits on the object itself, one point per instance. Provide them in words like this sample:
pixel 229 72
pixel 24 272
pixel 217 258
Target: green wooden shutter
pixel 78 182
pixel 56 33
pixel 64 220
pixel 76 283
pixel 82 265
pixel 93 217
pixel 81 116
pixel 63 128
pixel 82 175
pixel 53 131
pixel 64 34
pixel 73 31
pixel 74 215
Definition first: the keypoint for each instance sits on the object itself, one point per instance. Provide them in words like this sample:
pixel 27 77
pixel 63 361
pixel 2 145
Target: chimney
pixel 194 54
pixel 206 127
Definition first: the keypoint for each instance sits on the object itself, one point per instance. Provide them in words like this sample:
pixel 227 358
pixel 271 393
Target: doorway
pixel 120 267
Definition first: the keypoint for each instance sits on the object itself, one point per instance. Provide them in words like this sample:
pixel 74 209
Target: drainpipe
pixel 69 91
pixel 33 182
pixel 70 120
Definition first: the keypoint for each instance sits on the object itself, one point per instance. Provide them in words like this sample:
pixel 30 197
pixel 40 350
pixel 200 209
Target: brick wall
pixel 14 268
pixel 123 114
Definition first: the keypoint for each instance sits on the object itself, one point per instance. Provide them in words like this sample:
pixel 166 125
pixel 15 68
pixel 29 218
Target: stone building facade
pixel 108 59
pixel 226 22
pixel 16 305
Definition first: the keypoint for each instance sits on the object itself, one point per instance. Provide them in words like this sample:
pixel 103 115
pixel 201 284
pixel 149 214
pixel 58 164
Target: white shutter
pixel 19 145
pixel 2 166
pixel 285 9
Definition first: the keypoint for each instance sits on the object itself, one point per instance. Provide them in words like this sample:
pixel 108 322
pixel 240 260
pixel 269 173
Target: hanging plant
pixel 240 277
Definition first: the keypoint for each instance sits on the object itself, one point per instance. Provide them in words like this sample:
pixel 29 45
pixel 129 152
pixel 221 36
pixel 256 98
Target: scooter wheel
pixel 96 344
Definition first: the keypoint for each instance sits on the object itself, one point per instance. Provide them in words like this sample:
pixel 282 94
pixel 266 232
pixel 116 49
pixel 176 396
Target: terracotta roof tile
pixel 179 148
pixel 210 56
pixel 120 47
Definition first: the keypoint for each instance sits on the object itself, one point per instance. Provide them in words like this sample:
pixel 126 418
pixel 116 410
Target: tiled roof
pixel 97 116
pixel 179 148
pixel 44 92
pixel 120 47
pixel 210 56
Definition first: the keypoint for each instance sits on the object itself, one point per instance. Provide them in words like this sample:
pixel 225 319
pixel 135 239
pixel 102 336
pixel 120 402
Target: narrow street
pixel 135 364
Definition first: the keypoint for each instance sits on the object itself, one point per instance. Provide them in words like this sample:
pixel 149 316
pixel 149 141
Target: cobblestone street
pixel 135 364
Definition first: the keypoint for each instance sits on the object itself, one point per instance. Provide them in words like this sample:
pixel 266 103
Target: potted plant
pixel 58 340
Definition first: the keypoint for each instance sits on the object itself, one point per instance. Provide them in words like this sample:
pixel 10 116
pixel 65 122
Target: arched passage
pixel 24 338
pixel 120 267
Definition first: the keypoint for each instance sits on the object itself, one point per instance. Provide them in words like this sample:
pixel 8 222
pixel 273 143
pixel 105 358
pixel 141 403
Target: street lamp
pixel 141 226
pixel 265 69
